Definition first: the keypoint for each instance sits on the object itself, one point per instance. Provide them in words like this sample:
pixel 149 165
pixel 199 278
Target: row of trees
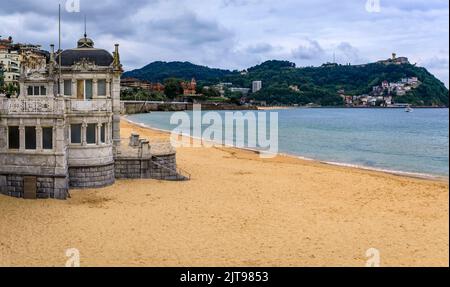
pixel 172 90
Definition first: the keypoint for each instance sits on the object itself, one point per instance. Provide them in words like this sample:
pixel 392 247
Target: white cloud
pixel 236 34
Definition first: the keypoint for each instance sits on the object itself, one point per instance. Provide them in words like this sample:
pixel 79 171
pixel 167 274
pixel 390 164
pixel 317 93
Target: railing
pixel 44 105
pixel 177 174
pixel 32 106
pixel 90 106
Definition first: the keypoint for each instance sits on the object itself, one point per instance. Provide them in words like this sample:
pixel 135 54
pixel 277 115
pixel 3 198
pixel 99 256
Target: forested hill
pixel 159 71
pixel 319 85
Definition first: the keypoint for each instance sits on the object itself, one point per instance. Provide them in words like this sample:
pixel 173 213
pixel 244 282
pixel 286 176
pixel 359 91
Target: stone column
pixel 60 145
pixel 23 90
pixel 22 136
pixel 99 133
pixel 57 136
pixel 110 132
pixel 61 184
pixel 39 146
pixel 108 88
pixel 51 89
pixel 74 88
pixel 3 132
pixel 60 89
pixel 94 88
pixel 83 133
pixel 115 94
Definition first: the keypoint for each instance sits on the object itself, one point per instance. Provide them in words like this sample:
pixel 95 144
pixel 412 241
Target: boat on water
pixel 409 109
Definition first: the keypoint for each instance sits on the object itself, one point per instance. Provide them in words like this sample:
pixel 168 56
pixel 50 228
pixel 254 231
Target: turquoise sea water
pixel 389 139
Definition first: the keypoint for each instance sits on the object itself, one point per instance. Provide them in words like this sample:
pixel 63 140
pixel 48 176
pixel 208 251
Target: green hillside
pixel 319 85
pixel 159 71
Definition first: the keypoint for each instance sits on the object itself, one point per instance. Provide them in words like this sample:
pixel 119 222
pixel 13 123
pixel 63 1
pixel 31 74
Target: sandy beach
pixel 238 210
pixel 276 108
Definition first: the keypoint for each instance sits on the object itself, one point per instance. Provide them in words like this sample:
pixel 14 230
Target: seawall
pixel 138 107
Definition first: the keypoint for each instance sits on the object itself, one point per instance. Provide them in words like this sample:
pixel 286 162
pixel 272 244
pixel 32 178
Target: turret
pixel 116 63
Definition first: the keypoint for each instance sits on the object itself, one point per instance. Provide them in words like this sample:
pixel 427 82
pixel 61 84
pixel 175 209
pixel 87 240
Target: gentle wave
pixel 340 164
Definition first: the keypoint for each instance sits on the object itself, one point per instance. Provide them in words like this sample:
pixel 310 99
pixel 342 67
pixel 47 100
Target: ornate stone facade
pixel 63 129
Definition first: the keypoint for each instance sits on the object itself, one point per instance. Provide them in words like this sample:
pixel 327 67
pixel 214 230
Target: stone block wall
pixel 91 177
pixel 163 167
pixel 47 187
pixel 130 168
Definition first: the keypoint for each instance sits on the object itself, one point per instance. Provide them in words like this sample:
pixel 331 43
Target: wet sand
pixel 238 210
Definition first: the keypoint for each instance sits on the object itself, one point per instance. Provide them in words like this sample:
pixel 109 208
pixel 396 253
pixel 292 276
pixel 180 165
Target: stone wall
pixel 47 187
pixel 163 167
pixel 130 108
pixel 91 177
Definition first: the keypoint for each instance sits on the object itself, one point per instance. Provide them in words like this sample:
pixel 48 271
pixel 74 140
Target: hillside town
pixel 382 95
pixel 11 56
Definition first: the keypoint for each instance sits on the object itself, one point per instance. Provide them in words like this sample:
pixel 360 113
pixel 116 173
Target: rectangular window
pixel 47 138
pixel 75 134
pixel 103 133
pixel 36 91
pixel 13 138
pixel 90 134
pixel 30 137
pixel 30 91
pixel 88 89
pixel 43 91
pixel 101 87
pixel 80 90
pixel 67 87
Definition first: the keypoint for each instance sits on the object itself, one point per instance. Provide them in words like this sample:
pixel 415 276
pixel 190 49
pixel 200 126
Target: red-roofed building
pixel 189 88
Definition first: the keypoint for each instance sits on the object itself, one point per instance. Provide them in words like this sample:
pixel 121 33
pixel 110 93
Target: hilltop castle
pixel 394 60
pixel 63 130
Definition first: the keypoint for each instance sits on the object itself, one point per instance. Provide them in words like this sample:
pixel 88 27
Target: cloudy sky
pixel 237 34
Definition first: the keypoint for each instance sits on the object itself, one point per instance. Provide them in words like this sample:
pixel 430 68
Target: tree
pixel 173 88
pixel 211 93
pixel 11 89
pixel 137 94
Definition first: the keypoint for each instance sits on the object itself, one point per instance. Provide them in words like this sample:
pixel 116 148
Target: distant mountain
pixel 319 85
pixel 159 71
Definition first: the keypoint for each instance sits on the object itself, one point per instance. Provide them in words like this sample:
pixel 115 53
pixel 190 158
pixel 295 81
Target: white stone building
pixel 54 139
pixel 256 86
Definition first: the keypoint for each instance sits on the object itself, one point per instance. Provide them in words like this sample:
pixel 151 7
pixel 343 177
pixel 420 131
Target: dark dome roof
pixel 98 56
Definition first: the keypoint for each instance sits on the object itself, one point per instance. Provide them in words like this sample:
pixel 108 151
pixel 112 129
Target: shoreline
pixel 416 175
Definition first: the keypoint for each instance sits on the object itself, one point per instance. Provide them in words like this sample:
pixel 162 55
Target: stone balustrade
pixel 90 106
pixel 41 105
